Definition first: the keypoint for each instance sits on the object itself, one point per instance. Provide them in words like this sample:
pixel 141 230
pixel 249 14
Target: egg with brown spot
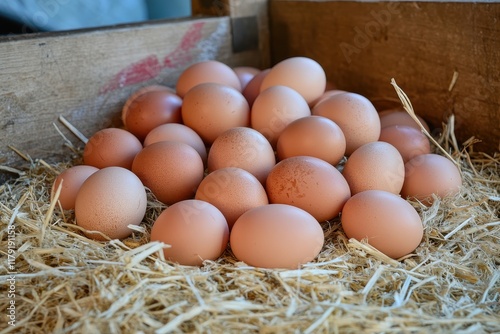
pixel 308 183
pixel 244 148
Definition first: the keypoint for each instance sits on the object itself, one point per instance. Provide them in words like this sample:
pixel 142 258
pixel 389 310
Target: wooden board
pixel 362 45
pixel 87 75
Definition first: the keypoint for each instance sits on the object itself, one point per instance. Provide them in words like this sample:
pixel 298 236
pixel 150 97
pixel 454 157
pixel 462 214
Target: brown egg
pixel 72 179
pixel 245 148
pixel 274 109
pixel 195 230
pixel 233 191
pixel 210 109
pixel 276 236
pixel 171 170
pixel 430 174
pixel 375 166
pixel 111 147
pixel 245 74
pixel 179 133
pixel 310 184
pixel 400 117
pixel 207 71
pixel 409 141
pixel 132 98
pixel 325 95
pixel 252 89
pixel 385 220
pixel 313 136
pixel 386 111
pixel 355 115
pixel 304 75
pixel 108 201
pixel 151 109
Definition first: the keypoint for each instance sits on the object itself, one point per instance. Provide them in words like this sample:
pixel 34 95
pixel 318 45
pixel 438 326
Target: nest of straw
pixel 67 283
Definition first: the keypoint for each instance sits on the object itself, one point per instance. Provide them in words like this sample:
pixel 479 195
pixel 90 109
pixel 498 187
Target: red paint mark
pixel 149 67
pixel 181 54
pixel 145 69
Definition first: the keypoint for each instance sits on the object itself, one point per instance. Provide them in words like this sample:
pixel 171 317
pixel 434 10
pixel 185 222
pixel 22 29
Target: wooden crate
pixel 444 55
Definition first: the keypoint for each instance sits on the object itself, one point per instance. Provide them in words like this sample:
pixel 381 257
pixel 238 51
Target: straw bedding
pixel 66 283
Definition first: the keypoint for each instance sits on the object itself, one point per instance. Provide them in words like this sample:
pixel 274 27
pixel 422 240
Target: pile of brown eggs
pixel 257 160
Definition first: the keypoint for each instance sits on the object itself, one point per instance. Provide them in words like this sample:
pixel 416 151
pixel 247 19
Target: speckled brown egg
pixel 375 166
pixel 233 191
pixel 111 147
pixel 355 115
pixel 308 183
pixel 108 201
pixel 210 109
pixel 171 170
pixel 244 148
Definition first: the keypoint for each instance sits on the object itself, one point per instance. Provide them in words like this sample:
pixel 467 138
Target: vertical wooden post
pixel 249 27
pixel 211 7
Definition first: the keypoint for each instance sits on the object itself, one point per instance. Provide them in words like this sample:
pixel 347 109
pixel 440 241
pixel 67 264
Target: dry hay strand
pixel 67 283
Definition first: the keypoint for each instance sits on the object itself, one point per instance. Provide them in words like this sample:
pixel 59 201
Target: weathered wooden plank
pixel 87 75
pixel 362 45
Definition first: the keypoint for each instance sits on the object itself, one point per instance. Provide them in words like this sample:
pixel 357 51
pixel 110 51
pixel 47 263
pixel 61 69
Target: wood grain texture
pixel 362 45
pixel 241 9
pixel 87 75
